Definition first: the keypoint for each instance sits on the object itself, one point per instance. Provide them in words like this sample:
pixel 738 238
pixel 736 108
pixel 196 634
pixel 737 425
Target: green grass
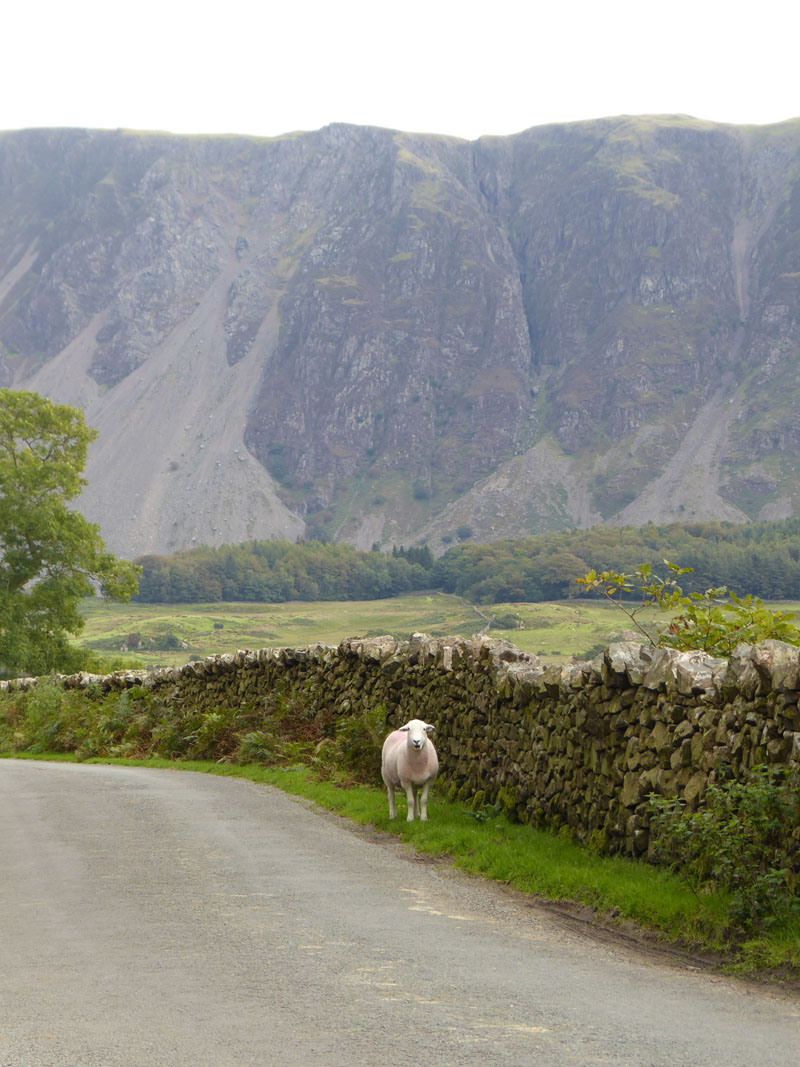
pixel 534 862
pixel 553 630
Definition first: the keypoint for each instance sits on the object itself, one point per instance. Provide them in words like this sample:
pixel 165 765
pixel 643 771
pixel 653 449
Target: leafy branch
pixel 714 621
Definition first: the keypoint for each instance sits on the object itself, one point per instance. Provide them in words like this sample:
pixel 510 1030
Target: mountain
pixel 389 337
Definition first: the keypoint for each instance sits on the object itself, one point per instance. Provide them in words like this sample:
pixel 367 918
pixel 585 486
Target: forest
pixel 759 558
pixel 278 571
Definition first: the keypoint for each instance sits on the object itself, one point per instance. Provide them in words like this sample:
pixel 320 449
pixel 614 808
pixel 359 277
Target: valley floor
pixel 172 634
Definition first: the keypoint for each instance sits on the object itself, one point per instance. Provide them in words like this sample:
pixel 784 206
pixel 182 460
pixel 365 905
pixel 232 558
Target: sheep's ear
pixel 428 728
pixel 406 728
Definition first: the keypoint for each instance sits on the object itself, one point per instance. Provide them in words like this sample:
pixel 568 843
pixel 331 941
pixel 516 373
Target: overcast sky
pixel 461 68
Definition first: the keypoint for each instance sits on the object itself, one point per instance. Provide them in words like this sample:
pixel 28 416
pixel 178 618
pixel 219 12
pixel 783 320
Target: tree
pixel 50 556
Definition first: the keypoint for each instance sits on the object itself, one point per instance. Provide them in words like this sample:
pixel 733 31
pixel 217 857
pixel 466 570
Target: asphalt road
pixel 167 918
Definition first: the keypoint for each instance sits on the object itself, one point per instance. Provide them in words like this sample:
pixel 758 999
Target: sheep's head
pixel 417 733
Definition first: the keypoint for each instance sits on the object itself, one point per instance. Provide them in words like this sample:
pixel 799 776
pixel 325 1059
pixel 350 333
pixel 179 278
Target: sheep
pixel 409 760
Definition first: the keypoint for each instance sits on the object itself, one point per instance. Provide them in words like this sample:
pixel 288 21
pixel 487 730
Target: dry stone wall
pixel 580 745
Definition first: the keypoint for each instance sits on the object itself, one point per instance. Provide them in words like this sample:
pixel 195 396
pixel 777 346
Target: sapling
pixel 714 621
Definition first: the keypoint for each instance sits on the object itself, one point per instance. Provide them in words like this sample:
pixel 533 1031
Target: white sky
pixel 444 66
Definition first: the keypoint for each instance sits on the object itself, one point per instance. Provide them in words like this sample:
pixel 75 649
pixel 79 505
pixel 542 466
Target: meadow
pixel 171 634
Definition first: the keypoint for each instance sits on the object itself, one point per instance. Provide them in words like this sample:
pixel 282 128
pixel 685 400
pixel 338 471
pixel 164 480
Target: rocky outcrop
pixel 400 333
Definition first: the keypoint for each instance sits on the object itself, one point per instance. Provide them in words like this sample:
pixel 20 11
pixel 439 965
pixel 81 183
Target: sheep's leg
pixel 424 801
pixel 392 806
pixel 412 801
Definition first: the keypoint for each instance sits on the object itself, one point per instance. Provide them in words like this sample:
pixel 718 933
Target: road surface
pixel 170 919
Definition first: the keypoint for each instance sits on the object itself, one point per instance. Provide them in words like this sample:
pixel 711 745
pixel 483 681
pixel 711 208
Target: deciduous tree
pixel 50 555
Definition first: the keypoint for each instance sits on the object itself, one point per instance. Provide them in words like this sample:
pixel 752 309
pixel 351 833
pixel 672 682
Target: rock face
pixel 383 336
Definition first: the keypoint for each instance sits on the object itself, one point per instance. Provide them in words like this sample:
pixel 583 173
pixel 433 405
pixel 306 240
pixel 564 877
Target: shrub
pixel 256 747
pixel 739 841
pixel 167 642
pixel 715 621
pixel 357 745
pixel 135 723
pixel 511 621
pixel 47 718
pixel 214 736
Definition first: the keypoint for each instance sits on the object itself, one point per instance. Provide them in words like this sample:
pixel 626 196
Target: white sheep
pixel 409 760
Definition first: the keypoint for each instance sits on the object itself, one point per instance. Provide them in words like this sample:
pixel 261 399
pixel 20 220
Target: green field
pixel 552 630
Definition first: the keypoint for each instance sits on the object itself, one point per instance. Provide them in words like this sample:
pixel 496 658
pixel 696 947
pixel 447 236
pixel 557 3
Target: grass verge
pixel 535 862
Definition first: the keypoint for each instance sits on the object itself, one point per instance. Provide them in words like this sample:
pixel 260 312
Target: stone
pixel 628 659
pixel 631 792
pixel 660 735
pixel 695 789
pixel 683 730
pixel 778 664
pixel 696 672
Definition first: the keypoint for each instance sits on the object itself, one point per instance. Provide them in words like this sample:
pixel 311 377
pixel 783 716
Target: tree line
pixel 277 571
pixel 758 558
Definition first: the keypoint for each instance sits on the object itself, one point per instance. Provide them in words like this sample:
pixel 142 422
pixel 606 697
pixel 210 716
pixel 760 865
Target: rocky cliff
pixel 385 337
